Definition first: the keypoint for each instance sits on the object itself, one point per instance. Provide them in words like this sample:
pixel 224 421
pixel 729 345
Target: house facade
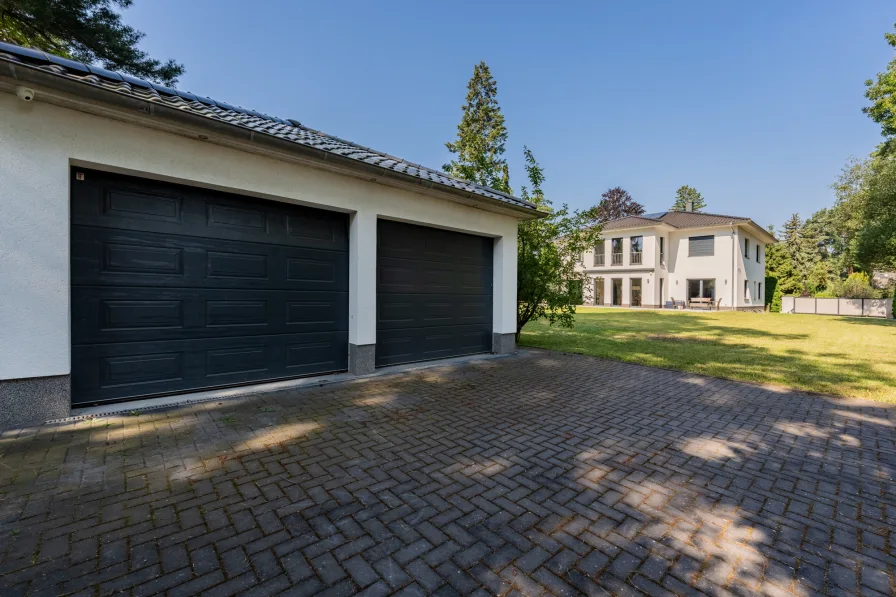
pixel 666 259
pixel 155 242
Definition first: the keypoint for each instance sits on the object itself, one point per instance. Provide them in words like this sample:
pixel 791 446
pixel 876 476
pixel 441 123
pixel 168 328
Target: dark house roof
pixel 679 219
pixel 214 110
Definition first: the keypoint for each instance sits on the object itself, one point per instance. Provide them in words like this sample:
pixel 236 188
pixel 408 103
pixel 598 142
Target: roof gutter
pixel 86 97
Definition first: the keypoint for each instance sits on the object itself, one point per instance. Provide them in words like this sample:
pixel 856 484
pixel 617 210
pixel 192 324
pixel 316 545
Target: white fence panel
pixel 877 308
pixel 804 305
pixel 851 307
pixel 827 306
pixel 786 304
pixel 833 306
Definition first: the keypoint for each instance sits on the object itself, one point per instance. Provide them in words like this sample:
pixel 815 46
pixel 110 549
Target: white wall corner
pixel 362 278
pixel 504 302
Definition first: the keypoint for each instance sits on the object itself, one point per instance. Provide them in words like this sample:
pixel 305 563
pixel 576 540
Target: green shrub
pixel 825 294
pixel 856 286
pixel 772 294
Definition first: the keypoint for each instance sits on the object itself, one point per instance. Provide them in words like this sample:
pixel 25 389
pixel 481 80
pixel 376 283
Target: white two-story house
pixel 667 259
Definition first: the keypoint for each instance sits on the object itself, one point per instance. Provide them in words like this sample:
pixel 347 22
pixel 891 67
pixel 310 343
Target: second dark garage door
pixel 177 288
pixel 434 293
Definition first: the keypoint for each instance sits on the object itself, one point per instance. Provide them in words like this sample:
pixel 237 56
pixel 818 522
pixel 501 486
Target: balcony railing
pixel 617 259
pixel 635 259
pixel 600 259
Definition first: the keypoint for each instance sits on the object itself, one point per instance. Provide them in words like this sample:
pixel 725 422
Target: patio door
pixel 598 291
pixel 636 292
pixel 617 291
pixel 705 288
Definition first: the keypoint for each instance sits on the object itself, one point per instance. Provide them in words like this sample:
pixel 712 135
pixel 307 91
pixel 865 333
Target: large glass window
pixel 636 292
pixel 617 291
pixel 616 248
pixel 599 256
pixel 636 243
pixel 702 289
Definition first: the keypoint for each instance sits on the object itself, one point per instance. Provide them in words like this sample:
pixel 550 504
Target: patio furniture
pixel 700 303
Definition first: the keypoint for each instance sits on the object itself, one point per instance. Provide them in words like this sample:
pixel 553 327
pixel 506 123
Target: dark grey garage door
pixel 177 288
pixel 434 293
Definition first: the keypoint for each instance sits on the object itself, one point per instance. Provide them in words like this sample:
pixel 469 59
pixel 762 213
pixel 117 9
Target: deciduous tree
pixel 87 30
pixel 548 285
pixel 614 203
pixel 882 94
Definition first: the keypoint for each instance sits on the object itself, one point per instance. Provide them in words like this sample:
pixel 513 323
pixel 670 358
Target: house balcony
pixel 616 259
pixel 635 259
pixel 599 260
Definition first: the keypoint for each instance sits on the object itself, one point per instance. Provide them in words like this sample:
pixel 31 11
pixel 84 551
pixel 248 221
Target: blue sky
pixel 756 104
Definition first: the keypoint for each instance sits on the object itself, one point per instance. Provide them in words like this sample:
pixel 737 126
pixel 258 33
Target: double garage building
pixel 153 242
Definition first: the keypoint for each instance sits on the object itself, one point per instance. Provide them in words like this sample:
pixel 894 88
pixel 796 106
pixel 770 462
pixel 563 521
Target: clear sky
pixel 756 104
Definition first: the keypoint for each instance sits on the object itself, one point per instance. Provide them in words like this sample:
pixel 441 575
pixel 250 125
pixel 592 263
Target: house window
pixel 616 287
pixel 635 255
pixel 746 248
pixel 759 293
pixel 582 257
pixel 757 253
pixel 662 250
pixel 746 290
pixel 701 289
pixel 599 256
pixel 701 246
pixel 635 300
pixel 616 254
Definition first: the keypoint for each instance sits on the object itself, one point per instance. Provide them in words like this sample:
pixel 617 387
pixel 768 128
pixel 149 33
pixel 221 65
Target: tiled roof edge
pixel 88 74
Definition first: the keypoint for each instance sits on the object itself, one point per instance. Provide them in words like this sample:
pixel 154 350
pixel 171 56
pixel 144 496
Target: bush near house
pixel 772 294
pixel 855 286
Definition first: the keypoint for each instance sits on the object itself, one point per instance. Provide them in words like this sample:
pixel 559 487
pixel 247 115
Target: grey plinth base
pixel 361 358
pixel 34 400
pixel 503 343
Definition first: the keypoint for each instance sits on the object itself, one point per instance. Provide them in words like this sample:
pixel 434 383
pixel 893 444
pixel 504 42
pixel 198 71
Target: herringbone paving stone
pixel 537 474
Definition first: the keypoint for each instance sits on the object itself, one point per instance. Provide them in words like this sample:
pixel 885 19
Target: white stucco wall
pixel 39 143
pixel 750 271
pixel 719 266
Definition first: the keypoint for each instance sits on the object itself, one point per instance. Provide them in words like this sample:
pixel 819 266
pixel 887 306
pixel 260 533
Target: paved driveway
pixel 535 474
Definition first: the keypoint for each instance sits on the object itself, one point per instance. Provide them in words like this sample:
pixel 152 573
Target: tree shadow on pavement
pixel 542 473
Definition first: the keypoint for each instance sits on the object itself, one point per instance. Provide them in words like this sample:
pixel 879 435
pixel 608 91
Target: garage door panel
pixel 103 314
pixel 407 241
pixel 177 289
pixel 120 371
pixel 109 257
pixel 434 293
pixel 430 310
pixel 420 344
pixel 125 203
pixel 420 276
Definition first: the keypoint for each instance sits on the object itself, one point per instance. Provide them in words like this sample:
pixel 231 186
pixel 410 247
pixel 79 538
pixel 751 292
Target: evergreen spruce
pixel 685 194
pixel 481 135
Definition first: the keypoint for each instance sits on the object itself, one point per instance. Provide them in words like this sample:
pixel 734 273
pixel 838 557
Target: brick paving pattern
pixel 538 474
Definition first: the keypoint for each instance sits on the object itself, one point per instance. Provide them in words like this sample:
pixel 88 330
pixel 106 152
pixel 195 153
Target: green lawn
pixel 833 355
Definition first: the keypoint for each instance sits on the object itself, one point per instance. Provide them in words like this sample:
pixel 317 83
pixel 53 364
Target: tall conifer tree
pixel 481 134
